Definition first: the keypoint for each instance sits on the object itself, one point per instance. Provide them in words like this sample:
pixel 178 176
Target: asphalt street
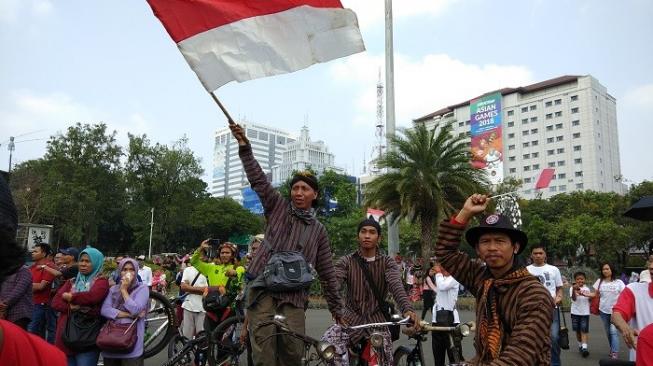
pixel 317 321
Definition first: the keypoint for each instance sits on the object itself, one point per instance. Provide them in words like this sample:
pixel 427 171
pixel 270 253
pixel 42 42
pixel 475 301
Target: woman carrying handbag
pixel 126 304
pixel 79 301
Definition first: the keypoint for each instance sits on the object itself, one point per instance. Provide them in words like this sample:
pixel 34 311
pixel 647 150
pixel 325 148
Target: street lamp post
pixel 393 228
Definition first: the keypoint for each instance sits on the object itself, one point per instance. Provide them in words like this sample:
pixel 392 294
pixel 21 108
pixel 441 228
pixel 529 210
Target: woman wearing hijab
pixel 127 300
pixel 84 293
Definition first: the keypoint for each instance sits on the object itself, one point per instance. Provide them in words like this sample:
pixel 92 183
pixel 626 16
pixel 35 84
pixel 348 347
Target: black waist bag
pixel 287 271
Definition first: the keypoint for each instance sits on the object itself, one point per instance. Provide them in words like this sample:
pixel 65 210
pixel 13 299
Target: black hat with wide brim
pixel 497 223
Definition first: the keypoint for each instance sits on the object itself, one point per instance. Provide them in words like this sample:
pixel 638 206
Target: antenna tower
pixel 378 150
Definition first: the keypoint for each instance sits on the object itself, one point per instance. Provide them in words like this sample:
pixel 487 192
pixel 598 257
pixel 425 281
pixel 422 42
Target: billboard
pixel 251 201
pixel 486 129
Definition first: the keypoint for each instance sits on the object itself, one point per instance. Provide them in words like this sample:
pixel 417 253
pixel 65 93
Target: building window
pixel 574 98
pixel 526 144
pixel 535 154
pixel 549 140
pixel 552 164
pixel 560 138
pixel 562 188
pixel 548 104
pixel 559 114
pixel 511 135
pixel 536 166
pixel 562 176
pixel 461 134
pixel 263 136
pixel 524 121
pixel 578 174
pixel 511 147
pixel 524 109
pixel 533 119
pixel 252 133
pixel 561 163
pixel 578 161
pixel 576 135
pixel 535 143
pixel 549 115
pixel 510 112
pixel 550 152
pixel 281 140
pixel 513 170
pixel 558 126
pixel 577 148
pixel 533 107
pixel 558 101
pixel 574 110
pixel 524 133
pixel 560 150
pixel 526 156
pixel 467 122
pixel 527 180
pixel 527 168
pixel 552 189
pixel 460 124
pixel 579 185
pixel 534 130
pixel 468 133
pixel 511 158
pixel 575 123
pixel 511 123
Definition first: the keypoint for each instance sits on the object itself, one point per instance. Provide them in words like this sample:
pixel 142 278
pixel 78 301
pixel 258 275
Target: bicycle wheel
pixel 176 344
pixel 224 344
pixel 401 356
pixel 159 325
pixel 183 356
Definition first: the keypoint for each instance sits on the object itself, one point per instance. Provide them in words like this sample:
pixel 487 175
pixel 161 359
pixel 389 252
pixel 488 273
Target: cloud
pixel 423 85
pixel 641 96
pixel 13 10
pixel 372 12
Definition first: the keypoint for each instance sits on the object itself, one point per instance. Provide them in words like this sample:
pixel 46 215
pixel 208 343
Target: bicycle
pixel 376 339
pixel 323 351
pixel 414 357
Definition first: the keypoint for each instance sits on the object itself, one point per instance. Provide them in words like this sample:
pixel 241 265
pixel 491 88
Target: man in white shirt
pixel 144 272
pixel 444 314
pixel 550 278
pixel 193 283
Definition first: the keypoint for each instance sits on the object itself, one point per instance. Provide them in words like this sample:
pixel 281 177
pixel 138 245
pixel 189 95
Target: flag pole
pixel 224 110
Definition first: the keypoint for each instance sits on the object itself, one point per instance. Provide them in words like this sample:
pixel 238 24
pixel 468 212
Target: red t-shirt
pixel 38 275
pixel 645 347
pixel 21 348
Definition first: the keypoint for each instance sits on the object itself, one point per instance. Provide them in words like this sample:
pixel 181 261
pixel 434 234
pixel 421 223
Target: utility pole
pixel 393 229
pixel 11 147
pixel 149 253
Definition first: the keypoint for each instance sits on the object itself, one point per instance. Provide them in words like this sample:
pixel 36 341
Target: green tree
pixel 429 176
pixel 82 186
pixel 222 218
pixel 27 189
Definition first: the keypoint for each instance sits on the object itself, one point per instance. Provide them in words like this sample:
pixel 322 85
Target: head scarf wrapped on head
pixel 135 282
pixel 83 282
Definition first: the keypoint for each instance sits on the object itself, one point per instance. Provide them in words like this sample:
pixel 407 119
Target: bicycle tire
pixel 400 357
pixel 176 344
pixel 224 342
pixel 159 324
pixel 183 357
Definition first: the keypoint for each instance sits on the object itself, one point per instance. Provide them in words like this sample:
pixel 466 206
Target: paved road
pixel 319 320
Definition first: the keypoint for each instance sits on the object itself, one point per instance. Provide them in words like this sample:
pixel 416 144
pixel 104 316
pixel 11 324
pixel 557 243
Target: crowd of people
pixel 518 307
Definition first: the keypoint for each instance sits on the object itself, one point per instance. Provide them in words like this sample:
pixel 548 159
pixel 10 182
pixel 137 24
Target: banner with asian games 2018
pixel 486 129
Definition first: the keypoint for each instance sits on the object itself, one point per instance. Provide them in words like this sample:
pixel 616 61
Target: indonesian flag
pixel 545 178
pixel 226 40
pixel 375 214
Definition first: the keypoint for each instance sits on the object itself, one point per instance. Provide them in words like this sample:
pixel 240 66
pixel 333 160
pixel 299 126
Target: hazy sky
pixel 89 61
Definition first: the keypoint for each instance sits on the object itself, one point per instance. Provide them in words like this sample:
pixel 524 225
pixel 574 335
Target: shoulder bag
pixel 288 270
pixel 80 331
pixel 594 304
pixel 386 308
pixel 117 337
pixel 563 332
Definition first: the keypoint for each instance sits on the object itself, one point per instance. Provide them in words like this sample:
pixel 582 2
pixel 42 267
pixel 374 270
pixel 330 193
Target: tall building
pixel 303 154
pixel 568 123
pixel 268 144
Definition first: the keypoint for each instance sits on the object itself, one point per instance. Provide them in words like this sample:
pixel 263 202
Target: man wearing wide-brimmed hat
pixel 513 309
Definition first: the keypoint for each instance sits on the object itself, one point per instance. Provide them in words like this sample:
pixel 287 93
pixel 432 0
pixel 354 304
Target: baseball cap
pixel 71 251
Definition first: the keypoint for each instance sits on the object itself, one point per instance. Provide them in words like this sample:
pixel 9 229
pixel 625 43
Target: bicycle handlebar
pixel 404 321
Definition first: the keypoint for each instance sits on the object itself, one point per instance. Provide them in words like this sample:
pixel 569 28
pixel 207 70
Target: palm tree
pixel 429 176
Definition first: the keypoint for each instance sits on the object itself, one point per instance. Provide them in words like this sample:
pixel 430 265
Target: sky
pixel 86 61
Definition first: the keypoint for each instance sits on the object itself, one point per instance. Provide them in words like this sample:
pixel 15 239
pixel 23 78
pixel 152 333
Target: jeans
pixel 610 332
pixel 44 322
pixel 84 359
pixel 555 334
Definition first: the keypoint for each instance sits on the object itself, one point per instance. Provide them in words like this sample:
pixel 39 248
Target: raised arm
pixel 203 267
pixel 465 270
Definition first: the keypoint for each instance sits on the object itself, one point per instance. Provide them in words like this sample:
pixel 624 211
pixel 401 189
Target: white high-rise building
pixel 568 123
pixel 268 143
pixel 303 154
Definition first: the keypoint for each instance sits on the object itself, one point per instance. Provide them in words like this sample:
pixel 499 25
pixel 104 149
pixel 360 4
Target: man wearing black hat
pixel 361 304
pixel 513 309
pixel 291 226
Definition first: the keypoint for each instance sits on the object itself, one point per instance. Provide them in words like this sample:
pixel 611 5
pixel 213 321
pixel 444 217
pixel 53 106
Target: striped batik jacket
pixel 283 232
pixel 526 307
pixel 361 306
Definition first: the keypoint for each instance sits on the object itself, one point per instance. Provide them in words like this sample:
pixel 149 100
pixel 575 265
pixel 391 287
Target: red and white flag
pixel 226 40
pixel 545 178
pixel 375 214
